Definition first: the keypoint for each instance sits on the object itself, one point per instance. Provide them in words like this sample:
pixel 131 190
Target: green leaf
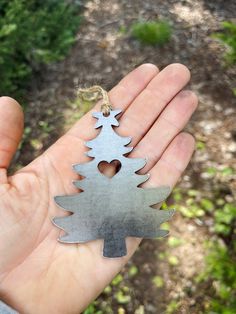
pixel 121 298
pixel 165 226
pixel 107 290
pixel 200 145
pixel 161 255
pixel 221 228
pixel 133 270
pixel 158 281
pixel 227 171
pixel 207 204
pixel 193 193
pixel 140 310
pixel 174 242
pixel 172 307
pixel 91 309
pixel 121 310
pixel 177 195
pixel 220 202
pixel 211 170
pixel 191 211
pixel 7 29
pixel 117 280
pixel 173 260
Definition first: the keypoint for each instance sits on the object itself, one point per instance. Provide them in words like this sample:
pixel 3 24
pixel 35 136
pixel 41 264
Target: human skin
pixel 37 273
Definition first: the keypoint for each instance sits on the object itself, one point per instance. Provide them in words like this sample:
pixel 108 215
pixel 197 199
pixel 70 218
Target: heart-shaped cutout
pixel 109 169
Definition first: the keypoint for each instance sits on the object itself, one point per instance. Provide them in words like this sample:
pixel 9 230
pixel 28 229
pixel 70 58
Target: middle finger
pixel 146 108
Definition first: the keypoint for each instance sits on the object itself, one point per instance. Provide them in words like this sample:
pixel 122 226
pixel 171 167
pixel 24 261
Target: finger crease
pixel 162 100
pixel 171 165
pixel 2 134
pixel 178 128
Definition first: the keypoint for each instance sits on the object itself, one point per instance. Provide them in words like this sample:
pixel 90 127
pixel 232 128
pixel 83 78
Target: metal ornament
pixel 111 208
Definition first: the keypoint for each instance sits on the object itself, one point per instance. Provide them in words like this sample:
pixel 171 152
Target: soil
pixel 102 55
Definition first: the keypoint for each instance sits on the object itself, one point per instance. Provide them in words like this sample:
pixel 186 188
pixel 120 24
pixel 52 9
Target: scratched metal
pixel 111 208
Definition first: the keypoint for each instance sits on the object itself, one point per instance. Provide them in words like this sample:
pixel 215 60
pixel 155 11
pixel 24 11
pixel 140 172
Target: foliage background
pixel 33 33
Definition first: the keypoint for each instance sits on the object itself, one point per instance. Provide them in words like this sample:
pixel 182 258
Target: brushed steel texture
pixel 111 208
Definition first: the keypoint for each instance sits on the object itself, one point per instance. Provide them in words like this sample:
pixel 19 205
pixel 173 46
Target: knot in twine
pixel 95 93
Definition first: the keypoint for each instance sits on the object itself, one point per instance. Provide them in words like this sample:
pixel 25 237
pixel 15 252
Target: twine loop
pixel 95 93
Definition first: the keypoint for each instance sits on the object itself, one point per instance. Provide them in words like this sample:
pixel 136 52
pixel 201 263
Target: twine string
pixel 95 93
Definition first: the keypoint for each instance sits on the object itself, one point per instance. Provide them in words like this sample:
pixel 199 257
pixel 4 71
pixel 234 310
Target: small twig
pixel 109 23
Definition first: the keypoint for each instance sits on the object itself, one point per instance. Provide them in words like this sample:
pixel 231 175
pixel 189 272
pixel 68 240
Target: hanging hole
pixel 106 114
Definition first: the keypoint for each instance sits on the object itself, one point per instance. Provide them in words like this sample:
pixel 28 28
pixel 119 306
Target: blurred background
pixel 49 48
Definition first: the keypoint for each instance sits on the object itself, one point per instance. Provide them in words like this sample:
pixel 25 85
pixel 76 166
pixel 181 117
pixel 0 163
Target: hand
pixel 37 273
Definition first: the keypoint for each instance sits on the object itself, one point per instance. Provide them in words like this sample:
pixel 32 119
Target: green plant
pixel 228 37
pixel 33 33
pixel 220 259
pixel 133 271
pixel 172 307
pixel 91 309
pixel 173 260
pixel 117 280
pixel 191 210
pixel 152 33
pixel 174 242
pixel 225 218
pixel 222 271
pixel 200 145
pixel 221 256
pixel 122 297
pixel 158 281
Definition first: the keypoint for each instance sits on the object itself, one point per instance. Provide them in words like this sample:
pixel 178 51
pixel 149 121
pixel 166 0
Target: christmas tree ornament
pixel 111 208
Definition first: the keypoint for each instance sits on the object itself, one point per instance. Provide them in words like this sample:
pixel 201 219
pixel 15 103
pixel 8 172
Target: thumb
pixel 11 129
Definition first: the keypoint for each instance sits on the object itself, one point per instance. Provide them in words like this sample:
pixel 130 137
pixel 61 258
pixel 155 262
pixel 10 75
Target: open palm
pixel 37 273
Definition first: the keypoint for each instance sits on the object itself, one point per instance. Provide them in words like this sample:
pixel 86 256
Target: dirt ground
pixel 102 55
